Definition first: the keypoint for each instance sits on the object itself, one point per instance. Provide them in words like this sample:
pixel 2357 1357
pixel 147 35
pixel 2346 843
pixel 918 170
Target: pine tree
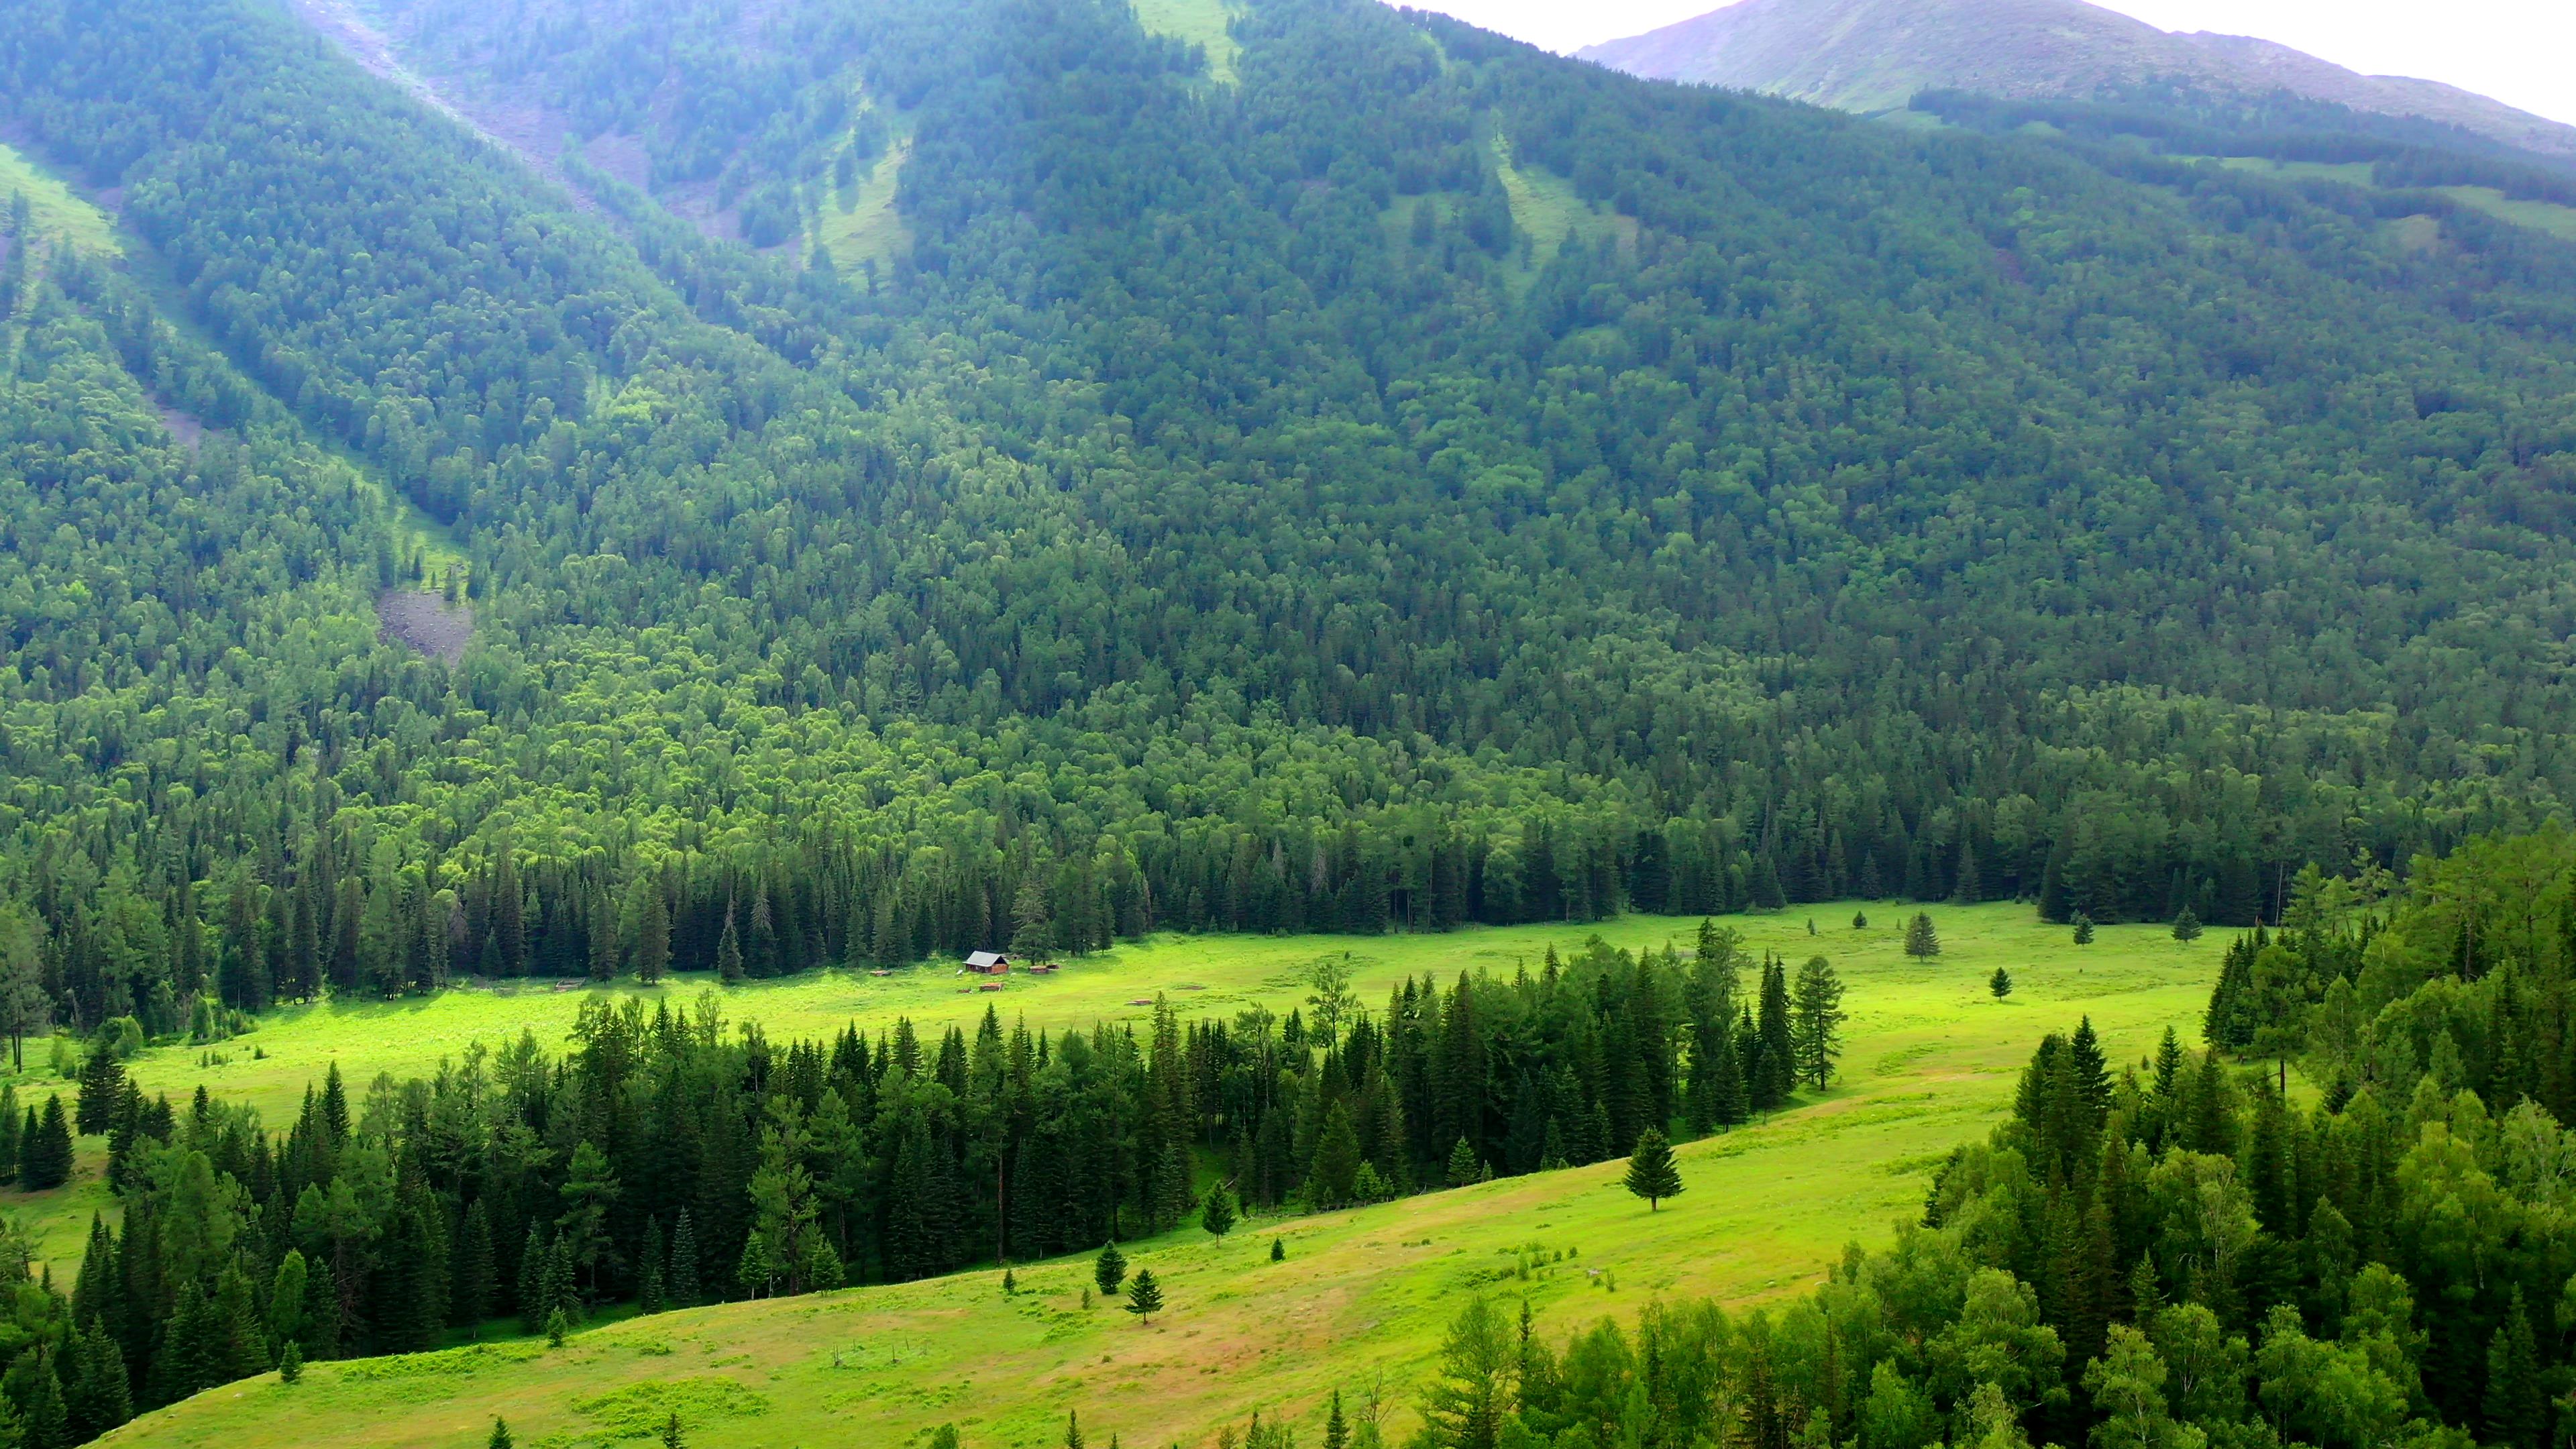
pixel 653 939
pixel 2083 929
pixel 683 1279
pixel 1464 1166
pixel 532 1281
pixel 1651 1173
pixel 1920 938
pixel 1010 1284
pixel 1817 1027
pixel 2186 925
pixel 557 1325
pixel 500 1436
pixel 1144 1296
pixel 2516 1405
pixel 46 1160
pixel 290 1363
pixel 1072 1430
pixel 649 1290
pixel 1779 1038
pixel 2000 983
pixel 1860 920
pixel 1337 1431
pixel 1279 1250
pixel 1109 1269
pixel 477 1276
pixel 729 951
pixel 671 1434
pixel 1217 1214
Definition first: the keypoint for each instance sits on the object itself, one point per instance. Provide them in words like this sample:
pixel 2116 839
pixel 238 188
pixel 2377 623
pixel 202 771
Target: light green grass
pixel 2543 216
pixel 57 210
pixel 1931 1063
pixel 1546 210
pixel 871 228
pixel 1197 22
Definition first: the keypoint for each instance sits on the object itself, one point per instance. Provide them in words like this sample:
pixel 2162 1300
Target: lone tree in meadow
pixel 1920 938
pixel 1279 1250
pixel 2083 929
pixel 500 1435
pixel 1109 1269
pixel 1860 920
pixel 1144 1296
pixel 1217 1214
pixel 2000 983
pixel 1651 1174
pixel 2186 925
pixel 1816 1018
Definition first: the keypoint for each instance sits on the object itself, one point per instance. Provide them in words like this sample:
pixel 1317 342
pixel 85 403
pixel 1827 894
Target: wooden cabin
pixel 987 963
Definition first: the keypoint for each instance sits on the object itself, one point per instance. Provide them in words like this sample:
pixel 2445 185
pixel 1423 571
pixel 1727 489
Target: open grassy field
pixel 55 208
pixel 2541 216
pixel 1197 22
pixel 1363 1294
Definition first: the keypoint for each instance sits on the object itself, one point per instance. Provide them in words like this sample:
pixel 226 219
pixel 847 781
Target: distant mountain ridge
pixel 1875 55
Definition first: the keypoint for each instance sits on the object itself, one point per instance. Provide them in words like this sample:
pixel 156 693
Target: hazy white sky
pixel 2522 52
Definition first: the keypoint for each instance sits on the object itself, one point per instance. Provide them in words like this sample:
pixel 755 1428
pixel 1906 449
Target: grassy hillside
pixel 1931 1063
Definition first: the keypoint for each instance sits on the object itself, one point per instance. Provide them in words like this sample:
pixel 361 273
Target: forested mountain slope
pixel 1416 481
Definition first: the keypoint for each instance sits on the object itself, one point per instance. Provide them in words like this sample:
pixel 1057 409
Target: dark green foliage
pixel 1921 939
pixel 1109 1269
pixel 1816 1022
pixel 2083 929
pixel 1217 1215
pixel 673 469
pixel 2186 925
pixel 2000 983
pixel 46 1158
pixel 1278 1250
pixel 1651 1173
pixel 290 1363
pixel 1144 1295
pixel 500 1436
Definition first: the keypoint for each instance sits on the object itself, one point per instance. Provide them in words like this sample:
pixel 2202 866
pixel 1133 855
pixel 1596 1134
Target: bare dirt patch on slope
pixel 425 621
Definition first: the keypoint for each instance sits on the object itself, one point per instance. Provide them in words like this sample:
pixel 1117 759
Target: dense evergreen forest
pixel 1228 514
pixel 2173 1255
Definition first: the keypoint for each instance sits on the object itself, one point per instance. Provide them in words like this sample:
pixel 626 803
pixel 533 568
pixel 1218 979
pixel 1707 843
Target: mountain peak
pixel 1875 55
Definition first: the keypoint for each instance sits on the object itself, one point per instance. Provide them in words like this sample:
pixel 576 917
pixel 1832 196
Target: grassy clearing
pixel 1546 210
pixel 863 225
pixel 57 210
pixel 2542 216
pixel 1362 1293
pixel 1197 22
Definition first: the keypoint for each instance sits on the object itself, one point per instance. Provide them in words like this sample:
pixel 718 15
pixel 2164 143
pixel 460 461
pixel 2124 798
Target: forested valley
pixel 1227 513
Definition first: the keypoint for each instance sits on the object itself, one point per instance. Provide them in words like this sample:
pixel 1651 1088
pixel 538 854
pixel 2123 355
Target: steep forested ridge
pixel 1230 513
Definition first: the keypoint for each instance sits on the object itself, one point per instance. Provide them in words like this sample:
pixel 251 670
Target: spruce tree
pixel 683 1280
pixel 729 951
pixel 1278 1250
pixel 500 1436
pixel 2083 929
pixel 2000 983
pixel 1216 1215
pixel 1920 938
pixel 1651 1173
pixel 1464 1166
pixel 2516 1405
pixel 650 1292
pixel 1817 1021
pixel 1144 1296
pixel 1109 1269
pixel 557 1325
pixel 1337 1431
pixel 2186 925
pixel 532 1281
pixel 290 1363
pixel 1779 1038
pixel 671 1434
pixel 47 1159
pixel 477 1276
pixel 1072 1430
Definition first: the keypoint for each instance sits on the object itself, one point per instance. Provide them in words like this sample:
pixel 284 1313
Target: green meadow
pixel 55 208
pixel 1361 1299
